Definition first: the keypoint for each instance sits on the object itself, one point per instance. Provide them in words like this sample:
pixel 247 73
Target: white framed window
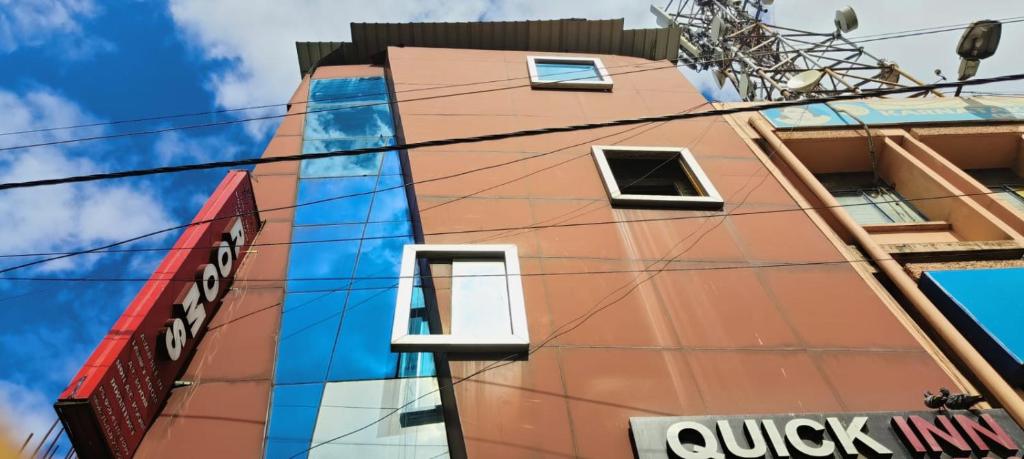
pixel 568 72
pixel 658 176
pixel 487 310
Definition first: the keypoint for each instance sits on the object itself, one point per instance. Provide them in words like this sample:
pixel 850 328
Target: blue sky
pixel 91 64
pixel 68 62
pixel 71 62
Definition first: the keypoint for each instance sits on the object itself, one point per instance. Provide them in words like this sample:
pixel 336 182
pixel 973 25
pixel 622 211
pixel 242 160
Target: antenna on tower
pixel 770 62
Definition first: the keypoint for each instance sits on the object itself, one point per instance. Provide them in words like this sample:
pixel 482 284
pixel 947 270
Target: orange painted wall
pixel 693 339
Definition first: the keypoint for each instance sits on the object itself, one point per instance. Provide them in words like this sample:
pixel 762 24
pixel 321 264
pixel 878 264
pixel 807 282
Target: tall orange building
pixel 611 292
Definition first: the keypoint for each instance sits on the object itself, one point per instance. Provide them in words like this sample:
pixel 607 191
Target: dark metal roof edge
pixel 595 36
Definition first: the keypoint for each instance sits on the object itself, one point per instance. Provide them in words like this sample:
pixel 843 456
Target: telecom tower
pixel 771 62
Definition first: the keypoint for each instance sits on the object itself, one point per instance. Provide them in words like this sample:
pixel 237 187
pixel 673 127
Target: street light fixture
pixel 978 42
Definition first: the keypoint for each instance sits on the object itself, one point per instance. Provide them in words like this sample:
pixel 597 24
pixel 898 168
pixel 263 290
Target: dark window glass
pixel 661 176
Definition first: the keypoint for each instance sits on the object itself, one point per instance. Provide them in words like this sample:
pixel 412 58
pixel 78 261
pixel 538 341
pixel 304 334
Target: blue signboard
pixel 987 306
pixel 898 111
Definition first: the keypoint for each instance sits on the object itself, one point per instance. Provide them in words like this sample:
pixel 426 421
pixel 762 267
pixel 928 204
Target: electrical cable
pixel 861 40
pixel 305 112
pixel 514 134
pixel 857 40
pixel 553 335
pixel 498 136
pixel 329 100
pixel 292 206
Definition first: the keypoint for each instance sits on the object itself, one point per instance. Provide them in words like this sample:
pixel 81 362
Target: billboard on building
pixel 876 112
pixel 116 395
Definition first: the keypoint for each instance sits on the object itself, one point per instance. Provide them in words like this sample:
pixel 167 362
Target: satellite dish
pixel 805 81
pixel 744 85
pixel 663 18
pixel 717 27
pixel 719 77
pixel 846 19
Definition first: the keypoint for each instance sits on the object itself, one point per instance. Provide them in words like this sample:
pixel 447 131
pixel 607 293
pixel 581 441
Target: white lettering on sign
pixel 802 435
pixel 190 309
pixel 853 434
pixel 707 450
pixel 804 446
pixel 758 448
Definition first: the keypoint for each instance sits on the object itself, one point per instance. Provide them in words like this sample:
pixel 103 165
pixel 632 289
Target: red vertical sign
pixel 120 390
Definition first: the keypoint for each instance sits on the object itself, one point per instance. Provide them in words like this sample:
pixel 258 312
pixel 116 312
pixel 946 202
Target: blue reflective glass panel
pixel 322 145
pixel 334 200
pixel 344 166
pixel 294 416
pixel 392 164
pixel 284 449
pixel 322 265
pixel 349 91
pixel 560 71
pixel 415 364
pixel 363 349
pixel 341 166
pixel 309 327
pixel 397 229
pixel 371 121
pixel 380 261
pixel 390 203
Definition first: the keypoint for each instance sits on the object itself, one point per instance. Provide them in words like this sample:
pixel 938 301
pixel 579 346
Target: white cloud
pixel 63 217
pixel 174 147
pixel 257 37
pixel 29 23
pixel 23 411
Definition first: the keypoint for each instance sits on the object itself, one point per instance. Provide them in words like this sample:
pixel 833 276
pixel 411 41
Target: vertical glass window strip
pixel 340 294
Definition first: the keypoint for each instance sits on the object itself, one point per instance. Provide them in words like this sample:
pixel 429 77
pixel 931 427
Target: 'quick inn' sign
pixel 953 434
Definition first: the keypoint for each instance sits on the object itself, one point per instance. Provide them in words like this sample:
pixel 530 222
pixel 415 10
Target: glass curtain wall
pixel 335 373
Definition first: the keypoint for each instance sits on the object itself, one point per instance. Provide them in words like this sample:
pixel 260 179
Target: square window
pixel 486 310
pixel 568 72
pixel 655 176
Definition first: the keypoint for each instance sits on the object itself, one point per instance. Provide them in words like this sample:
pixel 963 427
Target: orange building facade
pixel 688 269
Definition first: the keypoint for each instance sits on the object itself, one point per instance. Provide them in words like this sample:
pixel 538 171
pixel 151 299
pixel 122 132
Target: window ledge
pixel 908 227
pixel 517 340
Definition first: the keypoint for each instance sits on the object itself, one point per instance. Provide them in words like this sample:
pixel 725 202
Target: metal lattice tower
pixel 771 62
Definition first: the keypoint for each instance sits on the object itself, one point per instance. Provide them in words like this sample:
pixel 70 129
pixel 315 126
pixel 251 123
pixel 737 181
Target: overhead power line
pixel 319 201
pixel 962 25
pixel 354 279
pixel 497 229
pixel 861 39
pixel 119 135
pixel 431 143
pixel 499 136
pixel 330 100
pixel 929 32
